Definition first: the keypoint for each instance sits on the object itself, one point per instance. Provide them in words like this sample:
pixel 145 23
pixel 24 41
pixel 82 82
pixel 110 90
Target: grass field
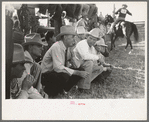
pixel 127 79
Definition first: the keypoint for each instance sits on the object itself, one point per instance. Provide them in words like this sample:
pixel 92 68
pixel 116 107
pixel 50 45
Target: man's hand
pixel 27 82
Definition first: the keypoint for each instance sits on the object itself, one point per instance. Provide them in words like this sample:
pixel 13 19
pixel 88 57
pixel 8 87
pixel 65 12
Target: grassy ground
pixel 127 79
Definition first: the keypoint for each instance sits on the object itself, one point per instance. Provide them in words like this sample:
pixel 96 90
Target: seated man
pixel 57 77
pixel 87 56
pixel 33 49
pixel 17 70
pixel 122 14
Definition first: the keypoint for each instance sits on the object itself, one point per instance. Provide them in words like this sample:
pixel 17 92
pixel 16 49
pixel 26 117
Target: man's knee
pixel 88 64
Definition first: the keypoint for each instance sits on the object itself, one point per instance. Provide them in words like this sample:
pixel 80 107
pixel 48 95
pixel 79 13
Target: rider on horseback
pixel 122 14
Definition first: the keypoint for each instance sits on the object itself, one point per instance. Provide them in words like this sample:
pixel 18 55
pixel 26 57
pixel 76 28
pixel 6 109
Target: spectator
pixel 50 38
pixel 87 56
pixel 81 33
pixel 33 47
pixel 83 22
pixel 57 77
pixel 101 49
pixel 17 70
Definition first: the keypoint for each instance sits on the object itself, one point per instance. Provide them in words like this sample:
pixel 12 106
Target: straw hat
pixel 101 42
pixel 96 32
pixel 124 5
pixel 18 54
pixel 66 30
pixel 33 38
pixel 81 30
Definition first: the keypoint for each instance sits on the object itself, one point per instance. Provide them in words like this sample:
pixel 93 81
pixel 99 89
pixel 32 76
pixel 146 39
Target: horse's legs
pixel 114 37
pixel 128 42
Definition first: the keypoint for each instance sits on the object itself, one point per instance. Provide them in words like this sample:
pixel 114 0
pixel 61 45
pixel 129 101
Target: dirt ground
pixel 127 79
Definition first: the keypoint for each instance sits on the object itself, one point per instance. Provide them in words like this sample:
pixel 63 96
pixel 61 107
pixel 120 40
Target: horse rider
pixel 122 14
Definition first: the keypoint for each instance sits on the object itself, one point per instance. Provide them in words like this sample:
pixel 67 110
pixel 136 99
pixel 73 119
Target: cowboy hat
pixel 96 32
pixel 66 30
pixel 18 54
pixel 18 37
pixel 101 42
pixel 81 30
pixel 124 5
pixel 33 38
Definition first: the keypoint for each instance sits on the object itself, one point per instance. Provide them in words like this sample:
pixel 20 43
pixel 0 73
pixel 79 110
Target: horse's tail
pixel 135 30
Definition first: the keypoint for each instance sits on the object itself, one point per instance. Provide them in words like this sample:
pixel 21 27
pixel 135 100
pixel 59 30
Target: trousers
pixel 55 82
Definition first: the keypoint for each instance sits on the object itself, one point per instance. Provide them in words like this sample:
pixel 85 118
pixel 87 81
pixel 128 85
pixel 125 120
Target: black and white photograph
pixel 74 60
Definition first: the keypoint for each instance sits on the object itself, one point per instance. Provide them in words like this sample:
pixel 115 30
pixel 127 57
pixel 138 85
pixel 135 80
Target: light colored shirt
pixel 85 52
pixel 54 59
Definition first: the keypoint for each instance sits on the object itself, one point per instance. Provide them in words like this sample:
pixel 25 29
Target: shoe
pixel 66 95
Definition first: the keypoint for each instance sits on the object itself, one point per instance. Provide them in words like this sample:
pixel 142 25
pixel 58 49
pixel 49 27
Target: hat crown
pixel 124 5
pixel 101 42
pixel 18 53
pixel 81 30
pixel 67 29
pixel 33 38
pixel 96 32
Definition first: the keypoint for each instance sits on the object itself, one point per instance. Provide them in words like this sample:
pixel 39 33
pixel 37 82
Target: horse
pixel 130 28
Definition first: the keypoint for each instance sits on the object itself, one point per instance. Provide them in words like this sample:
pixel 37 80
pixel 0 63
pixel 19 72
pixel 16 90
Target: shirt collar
pixel 62 45
pixel 28 56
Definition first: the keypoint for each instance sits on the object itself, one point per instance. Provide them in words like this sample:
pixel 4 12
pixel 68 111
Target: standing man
pixel 83 21
pixel 121 16
pixel 57 77
pixel 86 53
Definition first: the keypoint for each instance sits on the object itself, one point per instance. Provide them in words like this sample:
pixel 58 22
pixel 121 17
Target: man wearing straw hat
pixel 86 53
pixel 81 33
pixel 33 47
pixel 57 77
pixel 17 70
pixel 100 48
pixel 122 14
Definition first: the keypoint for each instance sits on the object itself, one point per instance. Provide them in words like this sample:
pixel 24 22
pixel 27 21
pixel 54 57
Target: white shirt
pixel 84 52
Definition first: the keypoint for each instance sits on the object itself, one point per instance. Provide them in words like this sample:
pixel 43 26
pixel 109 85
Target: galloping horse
pixel 130 28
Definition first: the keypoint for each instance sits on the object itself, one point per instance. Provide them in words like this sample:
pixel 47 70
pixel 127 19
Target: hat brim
pixel 35 43
pixel 93 36
pixel 61 34
pixel 20 62
pixel 103 45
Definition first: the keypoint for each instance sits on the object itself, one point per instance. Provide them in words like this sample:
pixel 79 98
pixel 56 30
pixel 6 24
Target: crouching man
pixel 56 76
pixel 87 56
pixel 102 50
